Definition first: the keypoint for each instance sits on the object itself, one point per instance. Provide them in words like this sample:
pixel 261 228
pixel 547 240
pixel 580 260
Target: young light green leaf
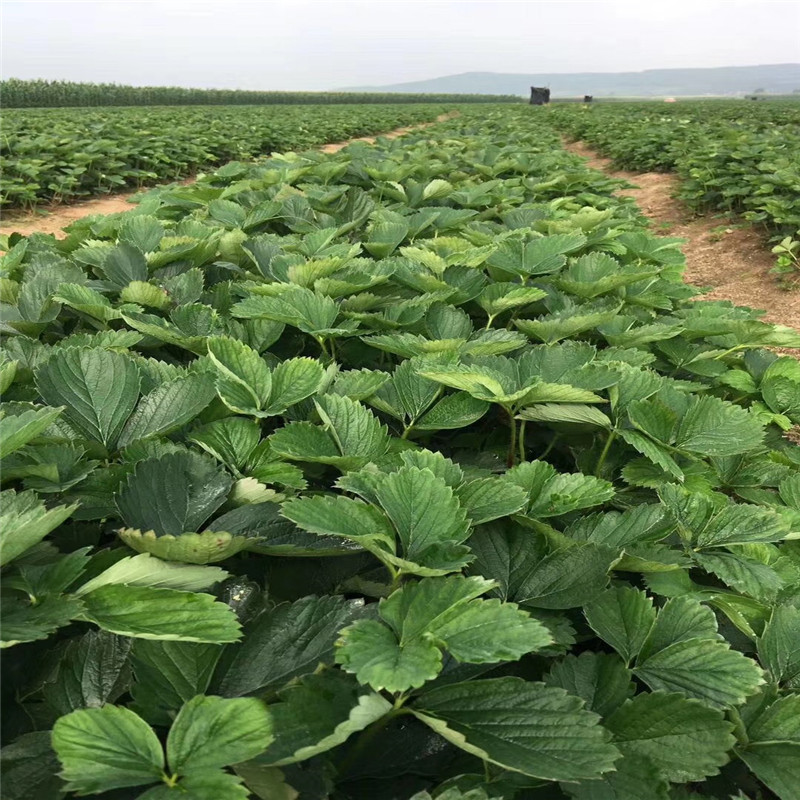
pixel 211 732
pixel 106 748
pixel 292 381
pixel 244 381
pixel 427 516
pixel 145 570
pixel 430 615
pixel 140 611
pixel 16 430
pixel 24 522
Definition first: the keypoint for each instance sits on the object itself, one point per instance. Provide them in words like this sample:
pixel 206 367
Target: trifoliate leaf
pixel 552 493
pixel 430 615
pixel 453 411
pixel 244 381
pixel 93 671
pixel 23 621
pixel 372 652
pixel 633 777
pixel 566 578
pixel 231 440
pixel 486 499
pixel 684 653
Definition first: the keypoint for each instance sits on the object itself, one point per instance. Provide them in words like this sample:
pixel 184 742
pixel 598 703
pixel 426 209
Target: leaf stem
pixel 549 447
pixel 522 442
pixel 602 460
pixel 323 346
pixel 170 780
pixel 512 447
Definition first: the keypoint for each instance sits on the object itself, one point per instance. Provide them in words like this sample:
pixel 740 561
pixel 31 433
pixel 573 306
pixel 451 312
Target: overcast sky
pixel 328 44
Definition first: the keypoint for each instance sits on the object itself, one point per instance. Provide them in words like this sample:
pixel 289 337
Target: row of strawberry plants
pixel 731 156
pixel 409 471
pixel 68 154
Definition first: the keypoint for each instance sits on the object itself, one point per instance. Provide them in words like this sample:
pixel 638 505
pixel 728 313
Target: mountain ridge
pixel 732 80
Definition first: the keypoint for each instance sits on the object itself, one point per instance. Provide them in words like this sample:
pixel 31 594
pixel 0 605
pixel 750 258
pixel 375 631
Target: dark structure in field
pixel 540 96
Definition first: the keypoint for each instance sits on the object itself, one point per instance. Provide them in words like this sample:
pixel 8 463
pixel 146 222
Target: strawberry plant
pixel 412 471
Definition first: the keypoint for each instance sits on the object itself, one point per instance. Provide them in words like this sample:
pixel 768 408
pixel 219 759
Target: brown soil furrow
pixel 731 258
pixel 53 218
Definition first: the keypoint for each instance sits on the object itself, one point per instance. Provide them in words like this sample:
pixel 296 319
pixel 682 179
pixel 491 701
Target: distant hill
pixel 772 78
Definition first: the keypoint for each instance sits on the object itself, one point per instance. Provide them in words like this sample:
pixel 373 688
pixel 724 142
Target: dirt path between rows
pixel 53 218
pixel 734 261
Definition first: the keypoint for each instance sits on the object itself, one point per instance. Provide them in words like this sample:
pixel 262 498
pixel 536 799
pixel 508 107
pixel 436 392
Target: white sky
pixel 327 44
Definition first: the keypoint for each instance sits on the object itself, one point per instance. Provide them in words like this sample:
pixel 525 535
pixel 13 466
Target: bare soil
pixel 53 218
pixel 335 147
pixel 731 258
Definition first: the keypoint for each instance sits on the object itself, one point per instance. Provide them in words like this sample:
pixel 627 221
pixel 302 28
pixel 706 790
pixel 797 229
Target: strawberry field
pixel 411 471
pixel 731 156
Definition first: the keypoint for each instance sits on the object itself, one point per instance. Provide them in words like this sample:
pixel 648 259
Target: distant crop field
pixel 66 154
pixel 58 94
pixel 735 156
